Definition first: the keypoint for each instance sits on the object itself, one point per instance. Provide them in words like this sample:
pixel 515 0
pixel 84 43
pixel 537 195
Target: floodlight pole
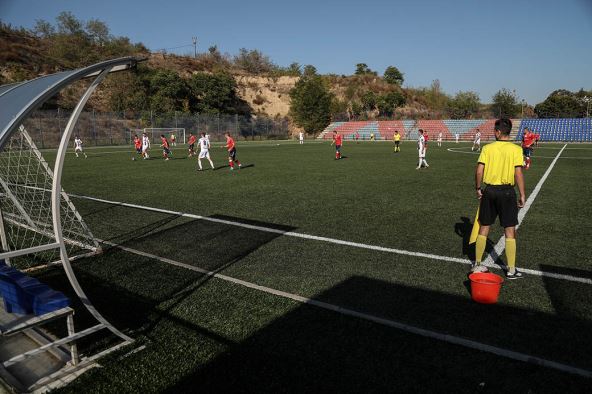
pixel 194 39
pixel 587 101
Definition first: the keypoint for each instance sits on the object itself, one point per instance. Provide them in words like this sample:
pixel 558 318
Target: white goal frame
pixel 155 132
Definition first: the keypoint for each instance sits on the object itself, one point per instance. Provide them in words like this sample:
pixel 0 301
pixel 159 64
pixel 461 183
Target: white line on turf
pixel 458 150
pixel 499 247
pixel 329 240
pixel 468 343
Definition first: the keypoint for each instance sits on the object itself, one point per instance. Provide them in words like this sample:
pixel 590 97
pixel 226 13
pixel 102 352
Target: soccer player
pixel 477 141
pixel 456 137
pixel 426 138
pixel 529 141
pixel 397 139
pixel 191 142
pixel 421 147
pixel 166 151
pixel 231 151
pixel 500 167
pixel 145 146
pixel 338 141
pixel 357 137
pixel 301 137
pixel 371 136
pixel 137 145
pixel 204 151
pixel 173 139
pixel 440 139
pixel 78 147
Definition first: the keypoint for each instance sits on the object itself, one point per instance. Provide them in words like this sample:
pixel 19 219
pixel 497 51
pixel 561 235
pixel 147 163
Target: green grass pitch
pixel 211 335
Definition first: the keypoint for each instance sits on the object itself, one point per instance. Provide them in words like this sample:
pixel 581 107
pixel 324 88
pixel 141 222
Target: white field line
pixel 375 319
pixel 329 240
pixel 457 150
pixel 499 247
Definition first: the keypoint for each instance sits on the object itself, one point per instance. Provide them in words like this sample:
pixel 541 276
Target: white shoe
pixel 479 268
pixel 418 167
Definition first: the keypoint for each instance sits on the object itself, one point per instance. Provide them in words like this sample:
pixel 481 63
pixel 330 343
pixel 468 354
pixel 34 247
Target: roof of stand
pixel 18 100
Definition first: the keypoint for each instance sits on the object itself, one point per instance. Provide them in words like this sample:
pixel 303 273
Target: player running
pixel 477 141
pixel 145 146
pixel 191 142
pixel 440 139
pixel 166 150
pixel 421 147
pixel 173 139
pixel 301 137
pixel 338 141
pixel 78 147
pixel 529 142
pixel 397 140
pixel 137 145
pixel 231 151
pixel 204 151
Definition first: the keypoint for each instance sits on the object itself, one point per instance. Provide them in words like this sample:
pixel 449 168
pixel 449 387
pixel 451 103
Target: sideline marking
pixel 457 150
pixel 332 240
pixel 468 343
pixel 500 246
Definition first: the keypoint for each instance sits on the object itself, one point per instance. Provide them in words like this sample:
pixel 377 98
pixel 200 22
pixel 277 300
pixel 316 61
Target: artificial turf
pixel 210 335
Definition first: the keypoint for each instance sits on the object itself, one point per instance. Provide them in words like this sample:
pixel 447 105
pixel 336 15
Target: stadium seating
pixel 568 130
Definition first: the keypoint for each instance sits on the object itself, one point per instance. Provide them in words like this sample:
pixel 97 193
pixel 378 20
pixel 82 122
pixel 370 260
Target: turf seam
pixel 468 343
pixel 333 240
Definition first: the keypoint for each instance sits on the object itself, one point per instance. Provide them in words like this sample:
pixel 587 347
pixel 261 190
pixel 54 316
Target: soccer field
pixel 303 273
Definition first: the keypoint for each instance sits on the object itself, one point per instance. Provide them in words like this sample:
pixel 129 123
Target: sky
pixel 532 47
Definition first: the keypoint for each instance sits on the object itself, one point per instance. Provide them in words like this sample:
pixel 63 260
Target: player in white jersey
pixel 477 141
pixel 301 137
pixel 145 146
pixel 421 147
pixel 456 137
pixel 204 152
pixel 440 139
pixel 78 147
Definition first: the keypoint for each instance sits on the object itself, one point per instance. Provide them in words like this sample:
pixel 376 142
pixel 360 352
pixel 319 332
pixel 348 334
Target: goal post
pixel 155 132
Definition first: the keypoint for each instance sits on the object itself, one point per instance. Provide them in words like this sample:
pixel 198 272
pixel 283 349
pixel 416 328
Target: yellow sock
pixel 511 253
pixel 480 248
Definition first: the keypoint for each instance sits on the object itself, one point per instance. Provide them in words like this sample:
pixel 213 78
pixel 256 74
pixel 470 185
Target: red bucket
pixel 485 287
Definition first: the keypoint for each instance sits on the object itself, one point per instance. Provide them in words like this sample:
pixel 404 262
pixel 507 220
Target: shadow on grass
pixel 571 300
pixel 314 350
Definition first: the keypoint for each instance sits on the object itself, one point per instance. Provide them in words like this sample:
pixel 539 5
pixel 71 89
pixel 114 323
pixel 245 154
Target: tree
pixel 563 104
pixel 309 70
pixel 213 93
pixel 43 28
pixel 168 91
pixel 463 105
pixel 97 31
pixel 254 61
pixel 387 103
pixel 294 69
pixel 363 69
pixel 505 104
pixel 369 101
pixel 393 76
pixel 68 23
pixel 311 103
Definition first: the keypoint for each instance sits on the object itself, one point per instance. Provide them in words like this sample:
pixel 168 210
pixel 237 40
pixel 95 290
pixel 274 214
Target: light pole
pixel 523 102
pixel 587 101
pixel 194 39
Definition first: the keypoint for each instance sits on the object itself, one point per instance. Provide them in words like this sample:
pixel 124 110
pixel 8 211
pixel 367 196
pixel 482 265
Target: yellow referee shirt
pixel 396 137
pixel 500 159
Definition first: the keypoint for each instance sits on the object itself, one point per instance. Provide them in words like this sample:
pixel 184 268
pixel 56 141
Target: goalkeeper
pixel 500 167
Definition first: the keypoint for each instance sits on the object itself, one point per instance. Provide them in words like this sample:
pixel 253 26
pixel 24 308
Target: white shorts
pixel 144 148
pixel 204 154
pixel 477 142
pixel 78 149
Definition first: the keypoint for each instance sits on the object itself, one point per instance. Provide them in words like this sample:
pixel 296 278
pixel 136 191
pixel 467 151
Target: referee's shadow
pixel 463 229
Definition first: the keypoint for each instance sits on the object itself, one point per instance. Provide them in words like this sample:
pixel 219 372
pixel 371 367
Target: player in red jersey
pixel 137 145
pixel 338 141
pixel 191 142
pixel 426 138
pixel 166 151
pixel 231 151
pixel 529 141
pixel 357 137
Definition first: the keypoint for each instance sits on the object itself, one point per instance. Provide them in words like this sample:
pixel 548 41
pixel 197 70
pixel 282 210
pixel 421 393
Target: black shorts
pixel 396 143
pixel 499 201
pixel 232 154
pixel 191 146
pixel 166 151
pixel 139 150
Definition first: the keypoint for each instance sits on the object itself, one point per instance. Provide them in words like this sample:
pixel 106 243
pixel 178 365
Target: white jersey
pixel 421 146
pixel 145 142
pixel 78 144
pixel 440 137
pixel 301 136
pixel 478 138
pixel 204 144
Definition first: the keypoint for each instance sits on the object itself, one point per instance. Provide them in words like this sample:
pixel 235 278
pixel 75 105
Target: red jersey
pixel 165 143
pixel 192 139
pixel 529 139
pixel 426 138
pixel 337 139
pixel 137 142
pixel 229 143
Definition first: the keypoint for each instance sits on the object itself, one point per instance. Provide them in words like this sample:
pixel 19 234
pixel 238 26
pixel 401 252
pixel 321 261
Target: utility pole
pixel 587 101
pixel 194 39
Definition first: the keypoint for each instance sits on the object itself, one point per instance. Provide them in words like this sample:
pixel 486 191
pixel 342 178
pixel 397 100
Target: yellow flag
pixel 475 230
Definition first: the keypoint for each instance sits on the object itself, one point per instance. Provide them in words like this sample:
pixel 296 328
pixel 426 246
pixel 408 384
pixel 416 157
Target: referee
pixel 500 168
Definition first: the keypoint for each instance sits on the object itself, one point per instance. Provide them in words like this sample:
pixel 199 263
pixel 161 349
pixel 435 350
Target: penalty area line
pixel 459 341
pixel 329 240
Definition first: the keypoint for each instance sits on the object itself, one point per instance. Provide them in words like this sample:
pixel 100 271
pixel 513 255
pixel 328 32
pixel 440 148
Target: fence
pixel 96 128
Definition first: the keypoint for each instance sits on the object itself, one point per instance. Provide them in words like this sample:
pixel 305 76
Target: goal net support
pixel 26 208
pixel 155 132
